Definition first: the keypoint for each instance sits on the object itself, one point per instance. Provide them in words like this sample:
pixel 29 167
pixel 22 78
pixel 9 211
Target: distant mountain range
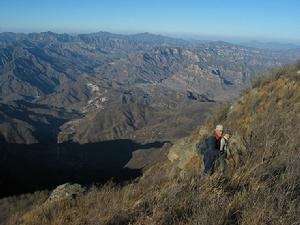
pixel 270 45
pixel 102 86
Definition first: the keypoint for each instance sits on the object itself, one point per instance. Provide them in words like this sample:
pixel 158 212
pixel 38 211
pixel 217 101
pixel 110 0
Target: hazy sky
pixel 252 19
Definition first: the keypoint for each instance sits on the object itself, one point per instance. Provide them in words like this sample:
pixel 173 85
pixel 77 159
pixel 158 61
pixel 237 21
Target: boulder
pixel 65 192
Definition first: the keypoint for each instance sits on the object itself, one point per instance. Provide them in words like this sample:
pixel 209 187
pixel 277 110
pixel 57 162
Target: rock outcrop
pixel 65 191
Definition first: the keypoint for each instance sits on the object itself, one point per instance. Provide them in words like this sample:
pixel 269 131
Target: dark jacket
pixel 211 154
pixel 213 144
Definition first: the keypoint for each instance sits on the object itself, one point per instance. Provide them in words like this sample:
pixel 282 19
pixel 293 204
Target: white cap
pixel 219 127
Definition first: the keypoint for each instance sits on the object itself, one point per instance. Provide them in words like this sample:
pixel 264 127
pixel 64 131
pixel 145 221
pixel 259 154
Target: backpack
pixel 201 147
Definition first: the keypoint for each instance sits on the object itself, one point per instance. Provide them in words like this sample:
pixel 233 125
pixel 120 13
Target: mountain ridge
pixel 57 69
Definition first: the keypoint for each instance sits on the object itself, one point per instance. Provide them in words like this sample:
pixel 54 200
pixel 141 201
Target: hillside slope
pixel 261 187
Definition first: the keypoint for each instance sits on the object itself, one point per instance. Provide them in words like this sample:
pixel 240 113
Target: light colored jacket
pixel 224 146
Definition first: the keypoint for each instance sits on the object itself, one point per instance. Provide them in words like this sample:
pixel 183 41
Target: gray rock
pixel 65 192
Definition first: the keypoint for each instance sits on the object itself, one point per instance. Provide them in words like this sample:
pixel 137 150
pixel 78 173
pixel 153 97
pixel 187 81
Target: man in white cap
pixel 213 150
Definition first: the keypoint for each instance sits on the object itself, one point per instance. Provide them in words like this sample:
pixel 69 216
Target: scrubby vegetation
pixel 261 187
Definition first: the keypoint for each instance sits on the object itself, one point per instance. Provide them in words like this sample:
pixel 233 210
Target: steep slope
pixel 264 117
pixel 261 184
pixel 262 187
pixel 28 123
pixel 149 114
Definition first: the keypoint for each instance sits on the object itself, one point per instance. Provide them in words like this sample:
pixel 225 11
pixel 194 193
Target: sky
pixel 266 20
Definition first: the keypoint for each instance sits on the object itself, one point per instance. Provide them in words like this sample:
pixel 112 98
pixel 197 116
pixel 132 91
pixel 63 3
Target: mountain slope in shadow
pixel 26 168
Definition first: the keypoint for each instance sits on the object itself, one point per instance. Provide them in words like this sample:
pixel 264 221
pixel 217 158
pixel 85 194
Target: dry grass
pixel 290 71
pixel 262 188
pixel 12 208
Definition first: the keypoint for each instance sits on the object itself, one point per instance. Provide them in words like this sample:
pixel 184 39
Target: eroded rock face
pixel 184 149
pixel 65 192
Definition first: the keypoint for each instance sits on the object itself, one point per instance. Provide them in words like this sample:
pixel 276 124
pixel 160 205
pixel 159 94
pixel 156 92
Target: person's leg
pixel 208 163
pixel 222 162
pixel 214 163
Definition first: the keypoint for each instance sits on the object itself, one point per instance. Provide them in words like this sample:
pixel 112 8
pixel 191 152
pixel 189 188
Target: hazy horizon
pixel 231 20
